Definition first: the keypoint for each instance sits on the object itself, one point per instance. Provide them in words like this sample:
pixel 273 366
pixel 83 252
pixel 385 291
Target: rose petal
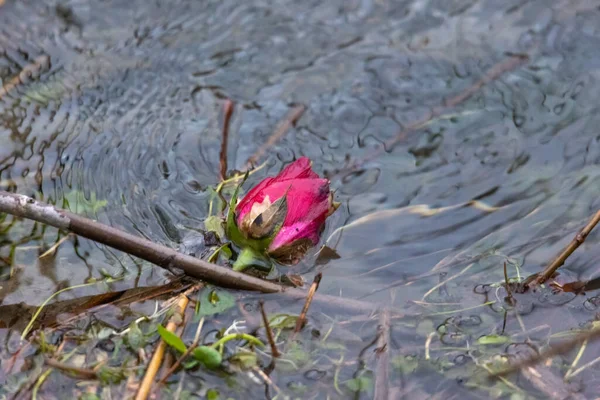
pixel 299 169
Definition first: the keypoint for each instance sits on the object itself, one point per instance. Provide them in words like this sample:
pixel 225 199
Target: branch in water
pixel 165 257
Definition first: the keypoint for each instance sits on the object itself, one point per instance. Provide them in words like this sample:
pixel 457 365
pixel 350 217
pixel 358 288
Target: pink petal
pixel 299 169
pixel 245 205
pixel 300 230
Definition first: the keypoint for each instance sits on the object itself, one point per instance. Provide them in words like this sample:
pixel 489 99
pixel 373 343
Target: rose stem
pixel 284 125
pixel 311 292
pixel 274 352
pixel 227 111
pixel 567 251
pixel 491 75
pixel 383 368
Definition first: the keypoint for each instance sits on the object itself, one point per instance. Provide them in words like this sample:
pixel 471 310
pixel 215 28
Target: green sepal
pixel 233 232
pixel 250 257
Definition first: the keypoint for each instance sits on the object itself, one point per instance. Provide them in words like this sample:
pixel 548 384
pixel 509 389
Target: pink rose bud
pixel 289 208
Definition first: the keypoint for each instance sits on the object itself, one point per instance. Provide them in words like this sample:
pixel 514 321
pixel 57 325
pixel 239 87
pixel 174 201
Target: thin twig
pixel 509 296
pixel 159 353
pixel 288 121
pixel 187 352
pixel 382 372
pixel 556 349
pixel 492 74
pixel 274 352
pixel 82 373
pixel 227 111
pixel 562 257
pixel 309 297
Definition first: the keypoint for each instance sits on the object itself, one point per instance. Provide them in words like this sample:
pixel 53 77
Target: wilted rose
pixel 283 216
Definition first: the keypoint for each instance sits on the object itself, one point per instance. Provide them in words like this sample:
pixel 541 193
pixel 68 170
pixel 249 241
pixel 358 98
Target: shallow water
pixel 121 103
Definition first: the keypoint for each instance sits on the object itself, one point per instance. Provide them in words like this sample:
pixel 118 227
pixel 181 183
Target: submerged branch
pixel 562 257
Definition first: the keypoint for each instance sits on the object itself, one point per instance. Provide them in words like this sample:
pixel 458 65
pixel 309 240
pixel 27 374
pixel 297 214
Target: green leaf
pixel 360 384
pixel 210 357
pixel 283 321
pixel 171 339
pixel 493 340
pixel 76 202
pixel 249 257
pixel 224 249
pixel 214 301
pixel 215 224
pixel 231 228
pixel 135 337
pixel 244 360
pixel 212 394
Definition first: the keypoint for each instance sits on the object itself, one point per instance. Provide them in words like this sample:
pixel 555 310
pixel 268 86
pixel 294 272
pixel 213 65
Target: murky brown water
pixel 123 101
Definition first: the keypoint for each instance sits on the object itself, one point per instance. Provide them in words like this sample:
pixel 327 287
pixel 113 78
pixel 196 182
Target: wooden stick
pixel 567 251
pixel 23 206
pixel 290 119
pixel 26 207
pixel 382 372
pixel 311 293
pixel 227 111
pixel 274 352
pixel 158 355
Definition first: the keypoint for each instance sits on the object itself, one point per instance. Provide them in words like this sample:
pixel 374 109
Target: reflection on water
pixel 122 102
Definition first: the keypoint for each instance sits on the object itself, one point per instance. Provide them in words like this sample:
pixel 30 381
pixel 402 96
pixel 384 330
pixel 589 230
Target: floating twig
pixel 382 371
pixel 547 273
pixel 227 111
pixel 288 121
pixel 274 352
pixel 309 297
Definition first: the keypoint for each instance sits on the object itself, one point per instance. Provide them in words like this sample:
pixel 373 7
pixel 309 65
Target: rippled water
pixel 123 101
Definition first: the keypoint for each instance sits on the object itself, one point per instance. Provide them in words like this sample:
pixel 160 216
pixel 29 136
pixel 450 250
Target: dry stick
pixel 382 372
pixel 491 75
pixel 561 258
pixel 26 207
pixel 162 256
pixel 274 352
pixel 81 373
pixel 290 119
pixel 309 297
pixel 158 355
pixel 555 350
pixel 227 111
pixel 177 363
pixel 509 295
